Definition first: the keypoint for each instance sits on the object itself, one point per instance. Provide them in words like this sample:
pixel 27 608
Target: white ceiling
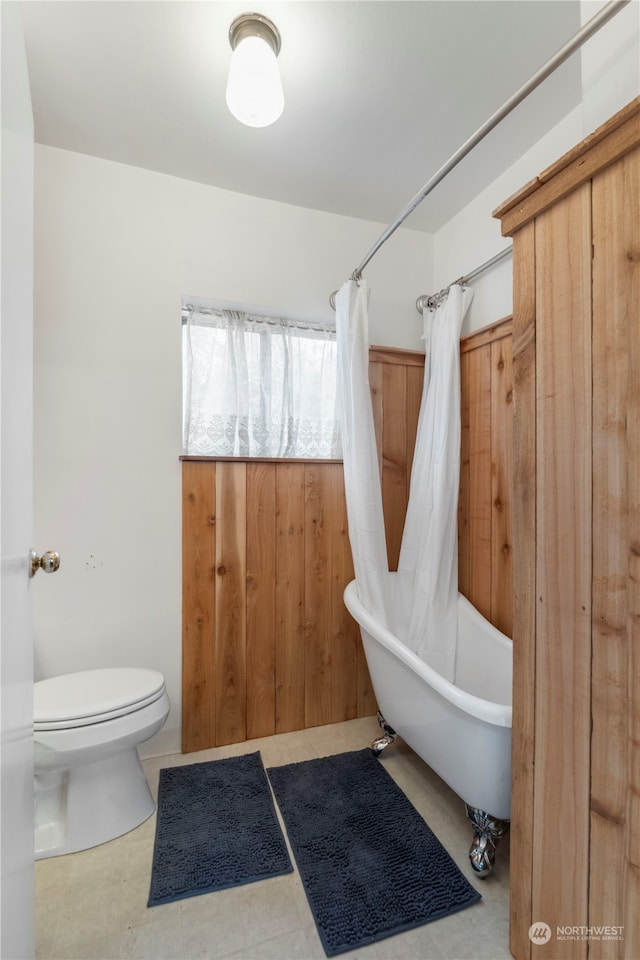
pixel 378 94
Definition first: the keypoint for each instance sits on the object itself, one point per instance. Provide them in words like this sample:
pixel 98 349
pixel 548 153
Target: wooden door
pixel 16 448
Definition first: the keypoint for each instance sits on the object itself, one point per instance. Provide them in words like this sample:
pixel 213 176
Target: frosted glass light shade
pixel 254 88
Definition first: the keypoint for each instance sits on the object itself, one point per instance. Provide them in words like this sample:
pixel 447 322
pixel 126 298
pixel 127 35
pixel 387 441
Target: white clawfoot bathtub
pixel 462 730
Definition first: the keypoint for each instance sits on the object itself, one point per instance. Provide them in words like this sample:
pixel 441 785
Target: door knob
pixel 49 562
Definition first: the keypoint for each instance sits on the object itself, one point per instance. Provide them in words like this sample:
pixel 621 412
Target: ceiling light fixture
pixel 254 88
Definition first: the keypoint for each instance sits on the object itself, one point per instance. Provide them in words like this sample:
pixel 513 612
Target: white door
pixel 16 491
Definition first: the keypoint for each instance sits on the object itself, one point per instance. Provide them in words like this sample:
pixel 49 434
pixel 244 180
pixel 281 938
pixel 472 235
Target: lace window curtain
pixel 258 387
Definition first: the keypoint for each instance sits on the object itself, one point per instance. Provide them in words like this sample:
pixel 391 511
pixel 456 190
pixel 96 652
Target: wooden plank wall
pixel 395 379
pixel 575 829
pixel 614 811
pixel 524 594
pixel 268 645
pixel 485 544
pixel 563 564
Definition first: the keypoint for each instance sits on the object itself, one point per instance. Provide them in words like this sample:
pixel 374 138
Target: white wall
pixel 610 64
pixel 116 249
pixel 473 236
pixel 610 78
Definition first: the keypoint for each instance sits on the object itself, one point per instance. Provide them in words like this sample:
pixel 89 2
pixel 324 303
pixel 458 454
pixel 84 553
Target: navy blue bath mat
pixel 216 827
pixel 370 865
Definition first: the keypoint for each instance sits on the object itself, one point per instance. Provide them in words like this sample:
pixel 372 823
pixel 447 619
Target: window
pixel 258 386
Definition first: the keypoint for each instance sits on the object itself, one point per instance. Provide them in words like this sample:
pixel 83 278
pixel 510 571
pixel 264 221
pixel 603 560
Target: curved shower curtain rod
pixel 430 301
pixel 574 43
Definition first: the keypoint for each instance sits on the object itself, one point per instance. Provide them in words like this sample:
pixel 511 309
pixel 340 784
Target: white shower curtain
pixel 359 451
pixel 427 580
pixel 423 613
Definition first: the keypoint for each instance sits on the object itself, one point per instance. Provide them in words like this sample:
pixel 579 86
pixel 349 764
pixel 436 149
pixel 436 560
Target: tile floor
pixel 92 905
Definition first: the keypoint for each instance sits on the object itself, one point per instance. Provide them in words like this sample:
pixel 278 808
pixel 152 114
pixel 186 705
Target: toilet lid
pixel 90 696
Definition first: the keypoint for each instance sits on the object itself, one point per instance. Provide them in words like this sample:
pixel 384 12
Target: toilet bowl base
pixel 87 805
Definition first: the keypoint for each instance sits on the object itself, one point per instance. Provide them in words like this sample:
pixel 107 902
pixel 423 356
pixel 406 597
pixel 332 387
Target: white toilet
pixel 89 783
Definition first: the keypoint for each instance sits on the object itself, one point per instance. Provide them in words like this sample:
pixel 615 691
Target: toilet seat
pixel 92 696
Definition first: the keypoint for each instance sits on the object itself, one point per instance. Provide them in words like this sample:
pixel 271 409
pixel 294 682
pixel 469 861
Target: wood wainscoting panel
pixel 290 556
pixel 198 606
pixel 480 507
pixel 486 471
pixel 501 612
pixel 415 379
pixel 261 600
pixel 268 645
pixel 464 495
pixel 376 388
pixel 317 594
pixel 395 381
pixel 345 635
pixel 395 457
pixel 231 602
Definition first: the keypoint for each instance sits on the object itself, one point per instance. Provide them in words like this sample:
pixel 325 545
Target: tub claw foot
pixel 387 737
pixel 487 831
